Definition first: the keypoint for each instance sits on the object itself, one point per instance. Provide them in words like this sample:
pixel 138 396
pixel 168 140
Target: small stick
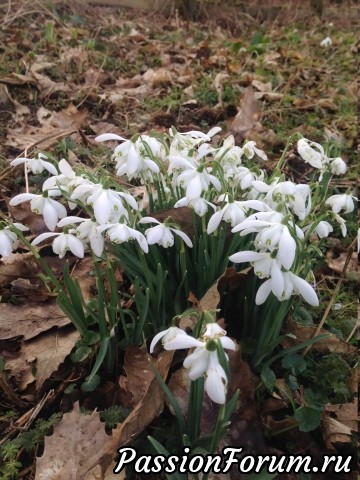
pixel 335 292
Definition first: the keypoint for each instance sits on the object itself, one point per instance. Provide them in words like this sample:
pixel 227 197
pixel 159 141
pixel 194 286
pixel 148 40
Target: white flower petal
pixel 305 290
pixel 248 256
pixel 108 136
pixel 263 292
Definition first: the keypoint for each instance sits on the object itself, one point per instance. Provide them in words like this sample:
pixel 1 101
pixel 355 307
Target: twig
pixel 335 292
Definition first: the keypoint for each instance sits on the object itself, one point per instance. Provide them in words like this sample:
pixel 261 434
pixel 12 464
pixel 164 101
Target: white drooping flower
pixel 229 154
pixel 66 181
pixel 135 159
pixel 87 231
pixel 311 152
pixel 327 42
pixel 50 209
pixel 322 229
pixel 340 202
pixel 245 177
pixel 200 205
pixel 204 359
pixel 196 180
pixel 338 166
pixel 36 165
pixel 281 284
pixel 249 150
pixel 8 239
pixel 104 201
pixel 120 233
pixel 272 234
pixel 163 234
pixel 288 195
pixel 233 212
pixel 63 243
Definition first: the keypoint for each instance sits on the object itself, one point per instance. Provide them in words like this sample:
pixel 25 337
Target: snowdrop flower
pixel 120 233
pixel 296 197
pixel 8 239
pixel 196 180
pixel 327 42
pixel 172 337
pixel 341 202
pixel 281 284
pixel 341 223
pixel 250 150
pixel 87 232
pixel 103 200
pixel 338 166
pixel 36 165
pixel 290 285
pixel 50 209
pixel 233 212
pixel 246 177
pixel 313 156
pixel 63 243
pixel 133 157
pixel 65 181
pixel 200 205
pixel 322 229
pixel 272 233
pixel 229 154
pixel 204 359
pixel 163 234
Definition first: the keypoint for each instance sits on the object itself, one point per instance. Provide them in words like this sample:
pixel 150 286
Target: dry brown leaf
pixel 70 117
pixel 346 413
pixel 23 213
pixel 247 117
pixel 334 431
pixel 337 264
pixel 74 449
pixel 42 354
pixel 28 321
pixel 138 374
pixel 43 82
pixel 211 299
pixel 79 443
pixel 157 78
pixel 261 86
pixel 331 344
pixel 27 135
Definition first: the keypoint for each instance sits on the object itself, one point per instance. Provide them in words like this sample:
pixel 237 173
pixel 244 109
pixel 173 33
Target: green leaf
pixel 315 398
pixel 162 450
pixel 268 377
pixel 91 383
pixel 80 354
pixel 308 418
pixel 295 362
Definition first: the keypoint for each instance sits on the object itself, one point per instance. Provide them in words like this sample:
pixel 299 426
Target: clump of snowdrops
pixel 237 214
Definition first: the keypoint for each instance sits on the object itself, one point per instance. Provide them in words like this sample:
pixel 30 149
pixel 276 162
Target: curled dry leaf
pixel 79 443
pixel 28 321
pixel 331 344
pixel 335 432
pixel 247 117
pixel 42 354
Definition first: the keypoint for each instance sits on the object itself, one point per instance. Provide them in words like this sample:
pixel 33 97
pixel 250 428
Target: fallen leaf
pixel 42 355
pixel 157 78
pixel 247 117
pixel 337 263
pixel 68 118
pixel 138 374
pixel 28 321
pixel 74 449
pixel 331 344
pixel 334 432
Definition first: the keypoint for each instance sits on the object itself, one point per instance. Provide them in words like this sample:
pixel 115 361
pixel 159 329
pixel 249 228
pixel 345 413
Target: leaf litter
pixel 133 74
